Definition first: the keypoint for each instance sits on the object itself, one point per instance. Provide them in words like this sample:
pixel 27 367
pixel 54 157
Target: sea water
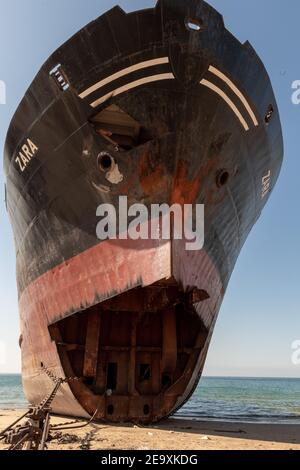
pixel 216 398
pixel 245 400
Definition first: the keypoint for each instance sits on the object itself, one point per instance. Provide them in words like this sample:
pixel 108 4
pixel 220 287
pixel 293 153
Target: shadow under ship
pixel 161 105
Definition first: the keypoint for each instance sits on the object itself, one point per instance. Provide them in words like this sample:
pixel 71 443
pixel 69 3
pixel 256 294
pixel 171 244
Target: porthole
pixel 195 25
pixel 222 178
pixel 269 114
pixel 105 162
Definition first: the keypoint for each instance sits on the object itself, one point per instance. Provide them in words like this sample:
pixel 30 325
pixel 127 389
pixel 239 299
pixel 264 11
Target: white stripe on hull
pixel 169 76
pixel 130 86
pixel 238 93
pixel 227 100
pixel 123 73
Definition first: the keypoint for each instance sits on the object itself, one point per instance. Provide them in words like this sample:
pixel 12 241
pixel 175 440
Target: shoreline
pixel 171 434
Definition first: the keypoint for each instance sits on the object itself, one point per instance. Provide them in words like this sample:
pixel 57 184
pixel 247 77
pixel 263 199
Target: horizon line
pixel 207 376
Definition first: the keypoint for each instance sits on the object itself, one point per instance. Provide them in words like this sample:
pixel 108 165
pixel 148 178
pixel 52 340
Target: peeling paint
pixel 114 176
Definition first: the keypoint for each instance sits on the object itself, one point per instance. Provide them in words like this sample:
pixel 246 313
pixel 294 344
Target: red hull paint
pixel 106 270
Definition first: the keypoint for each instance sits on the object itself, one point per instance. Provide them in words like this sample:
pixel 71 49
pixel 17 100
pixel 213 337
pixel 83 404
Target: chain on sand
pixel 34 433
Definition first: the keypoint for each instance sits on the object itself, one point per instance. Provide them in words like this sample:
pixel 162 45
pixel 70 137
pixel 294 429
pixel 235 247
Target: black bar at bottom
pixel 139 459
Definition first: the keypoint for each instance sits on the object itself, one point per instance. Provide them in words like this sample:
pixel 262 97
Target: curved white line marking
pixel 122 73
pixel 227 100
pixel 238 93
pixel 130 86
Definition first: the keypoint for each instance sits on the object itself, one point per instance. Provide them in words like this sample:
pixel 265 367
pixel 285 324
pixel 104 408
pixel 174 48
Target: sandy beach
pixel 172 434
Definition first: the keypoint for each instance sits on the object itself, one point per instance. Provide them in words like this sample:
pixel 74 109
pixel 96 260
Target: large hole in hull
pixel 119 128
pixel 135 352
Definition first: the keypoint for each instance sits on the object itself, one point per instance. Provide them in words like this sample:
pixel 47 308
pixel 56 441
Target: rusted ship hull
pixel 163 106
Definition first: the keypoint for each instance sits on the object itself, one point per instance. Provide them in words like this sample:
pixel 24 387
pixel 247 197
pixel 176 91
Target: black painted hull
pixel 207 109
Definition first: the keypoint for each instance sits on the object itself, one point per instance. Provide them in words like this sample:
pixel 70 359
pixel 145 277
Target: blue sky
pixel 260 316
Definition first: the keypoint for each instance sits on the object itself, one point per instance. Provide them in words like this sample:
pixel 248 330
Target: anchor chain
pixel 33 434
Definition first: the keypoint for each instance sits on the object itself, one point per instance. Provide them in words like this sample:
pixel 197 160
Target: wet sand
pixel 172 434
